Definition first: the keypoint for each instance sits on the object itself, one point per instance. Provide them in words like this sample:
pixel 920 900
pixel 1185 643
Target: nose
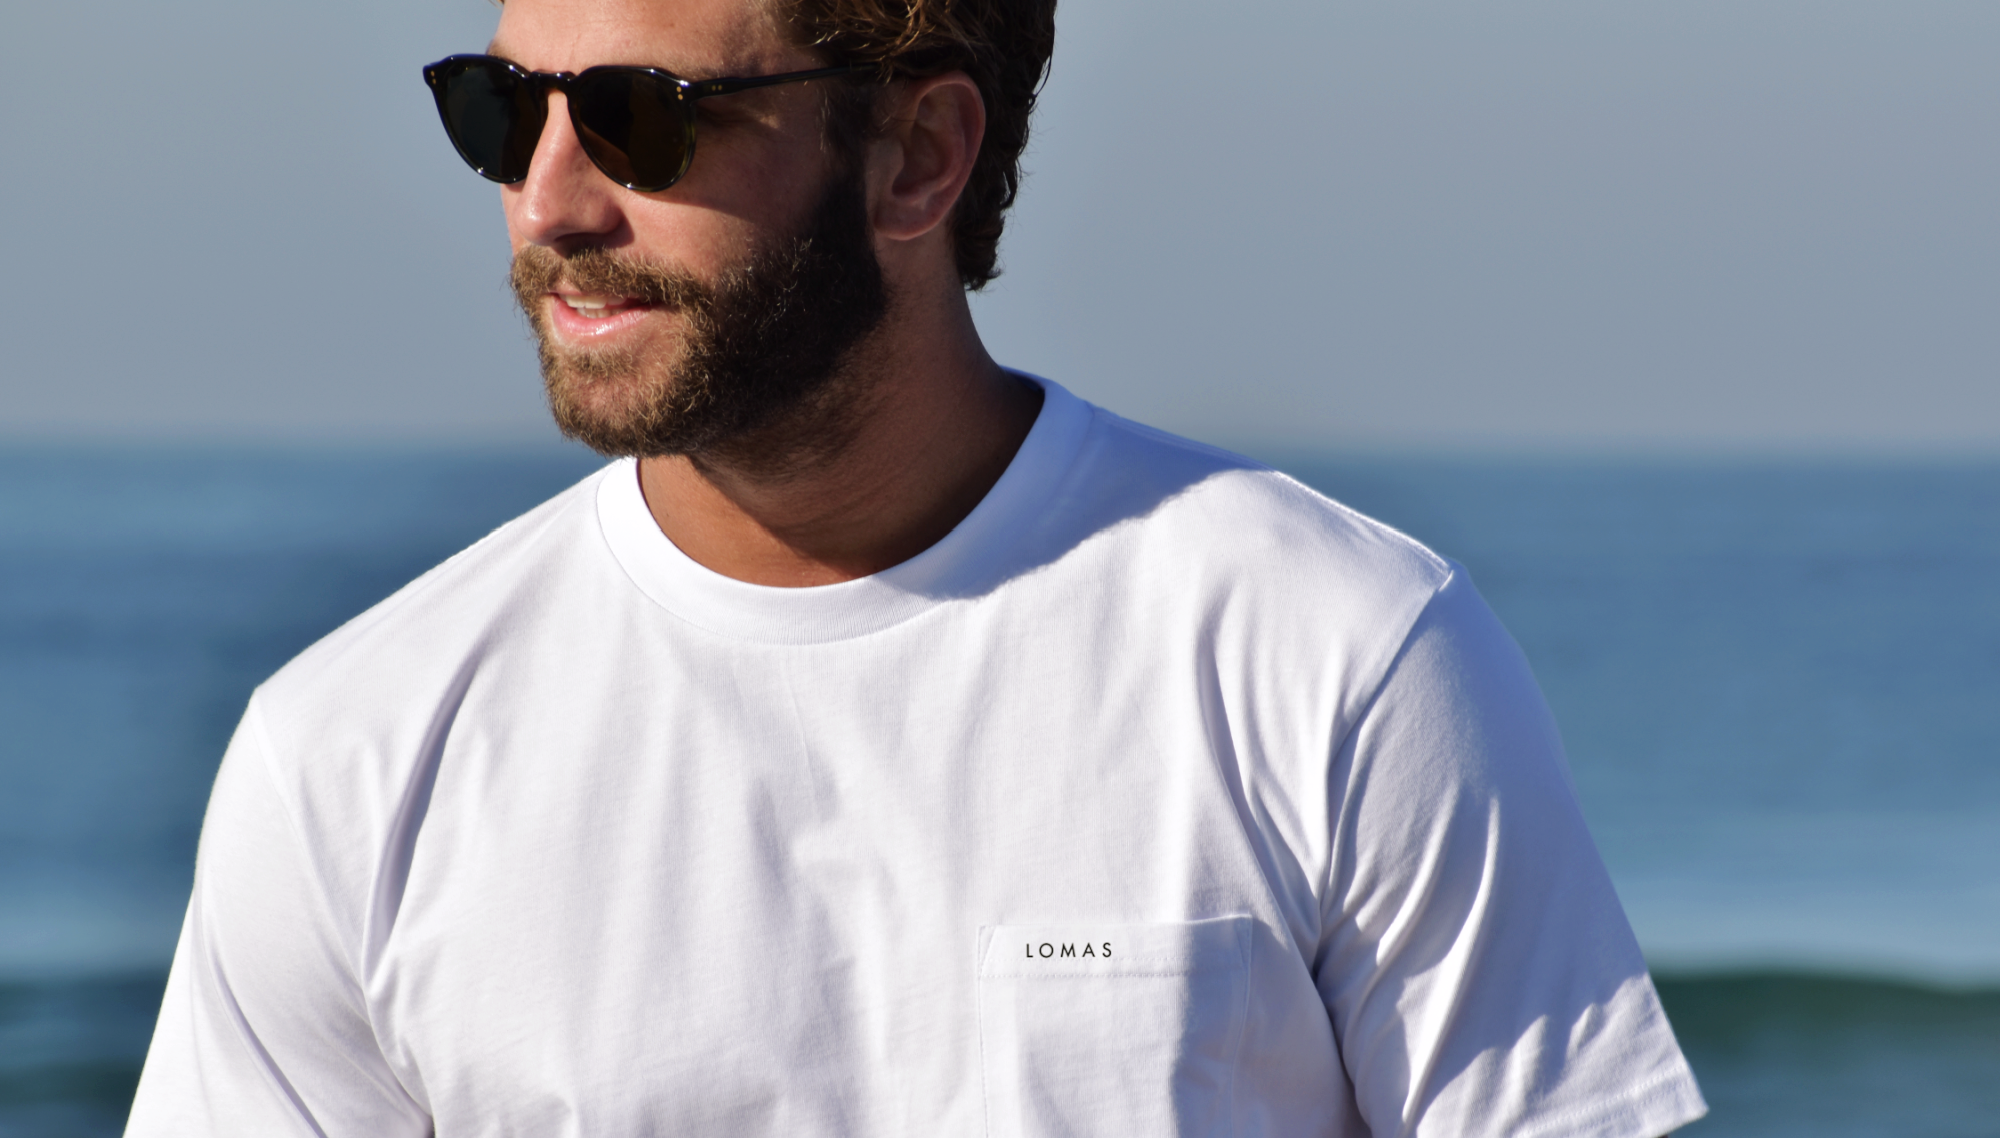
pixel 565 202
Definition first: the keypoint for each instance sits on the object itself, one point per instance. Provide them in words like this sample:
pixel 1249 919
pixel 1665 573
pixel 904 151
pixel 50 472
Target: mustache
pixel 538 271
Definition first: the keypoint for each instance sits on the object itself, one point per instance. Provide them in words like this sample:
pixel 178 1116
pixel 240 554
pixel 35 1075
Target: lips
pixel 598 318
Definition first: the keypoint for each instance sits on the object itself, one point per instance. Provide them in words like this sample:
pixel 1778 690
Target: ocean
pixel 1776 680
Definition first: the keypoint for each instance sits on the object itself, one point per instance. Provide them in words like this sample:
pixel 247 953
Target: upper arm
pixel 264 1028
pixel 1476 964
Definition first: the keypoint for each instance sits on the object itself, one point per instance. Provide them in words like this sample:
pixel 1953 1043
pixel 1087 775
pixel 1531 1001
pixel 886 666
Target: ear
pixel 922 158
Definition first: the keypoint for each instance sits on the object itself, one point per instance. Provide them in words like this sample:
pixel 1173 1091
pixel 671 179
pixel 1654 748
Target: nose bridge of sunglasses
pixel 562 83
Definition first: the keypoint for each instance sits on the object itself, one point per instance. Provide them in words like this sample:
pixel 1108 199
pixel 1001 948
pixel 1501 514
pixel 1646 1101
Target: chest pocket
pixel 1103 1030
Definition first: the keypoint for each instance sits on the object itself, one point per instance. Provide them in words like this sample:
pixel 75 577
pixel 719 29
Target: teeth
pixel 594 306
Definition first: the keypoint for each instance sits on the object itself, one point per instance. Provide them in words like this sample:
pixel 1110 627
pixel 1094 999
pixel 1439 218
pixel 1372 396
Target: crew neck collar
pixel 969 560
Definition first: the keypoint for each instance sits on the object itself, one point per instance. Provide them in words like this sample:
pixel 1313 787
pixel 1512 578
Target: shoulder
pixel 426 636
pixel 1269 517
pixel 351 731
pixel 1226 524
pixel 1293 607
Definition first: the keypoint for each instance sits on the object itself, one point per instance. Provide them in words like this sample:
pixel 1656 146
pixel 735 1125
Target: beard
pixel 764 376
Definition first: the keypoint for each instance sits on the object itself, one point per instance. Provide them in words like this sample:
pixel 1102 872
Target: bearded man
pixel 886 743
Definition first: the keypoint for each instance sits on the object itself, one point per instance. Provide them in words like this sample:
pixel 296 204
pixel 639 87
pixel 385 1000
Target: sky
pixel 1598 225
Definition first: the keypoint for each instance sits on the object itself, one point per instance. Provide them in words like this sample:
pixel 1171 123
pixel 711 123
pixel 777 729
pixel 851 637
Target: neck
pixel 936 424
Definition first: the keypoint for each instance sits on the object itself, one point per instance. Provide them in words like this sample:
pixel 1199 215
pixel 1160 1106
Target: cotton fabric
pixel 573 836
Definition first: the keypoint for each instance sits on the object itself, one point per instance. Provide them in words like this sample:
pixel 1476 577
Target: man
pixel 893 744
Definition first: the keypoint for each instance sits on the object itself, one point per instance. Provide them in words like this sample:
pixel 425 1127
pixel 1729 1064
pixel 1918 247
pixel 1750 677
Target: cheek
pixel 755 187
pixel 693 238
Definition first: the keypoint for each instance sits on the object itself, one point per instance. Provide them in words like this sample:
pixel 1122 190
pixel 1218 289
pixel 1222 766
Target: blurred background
pixel 1677 323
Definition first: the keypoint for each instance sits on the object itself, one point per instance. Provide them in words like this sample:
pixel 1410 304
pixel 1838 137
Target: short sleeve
pixel 1477 967
pixel 264 1029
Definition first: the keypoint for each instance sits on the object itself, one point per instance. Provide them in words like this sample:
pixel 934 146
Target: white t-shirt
pixel 1163 796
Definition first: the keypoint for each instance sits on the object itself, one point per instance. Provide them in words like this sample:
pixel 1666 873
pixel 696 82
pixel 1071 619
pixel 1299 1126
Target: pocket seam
pixel 980 945
pixel 1249 954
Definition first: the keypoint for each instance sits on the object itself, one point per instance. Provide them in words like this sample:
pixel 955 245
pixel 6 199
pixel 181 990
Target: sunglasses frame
pixel 687 93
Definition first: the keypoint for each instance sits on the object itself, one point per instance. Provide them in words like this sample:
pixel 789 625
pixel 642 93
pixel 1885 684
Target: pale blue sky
pixel 1747 224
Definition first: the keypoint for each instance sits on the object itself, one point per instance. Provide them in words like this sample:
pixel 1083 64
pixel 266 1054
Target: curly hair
pixel 1002 45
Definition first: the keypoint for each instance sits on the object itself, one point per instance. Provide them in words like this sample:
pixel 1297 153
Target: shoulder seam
pixel 1428 554
pixel 1246 463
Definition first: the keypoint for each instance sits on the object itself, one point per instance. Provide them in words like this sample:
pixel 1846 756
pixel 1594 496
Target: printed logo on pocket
pixel 1049 950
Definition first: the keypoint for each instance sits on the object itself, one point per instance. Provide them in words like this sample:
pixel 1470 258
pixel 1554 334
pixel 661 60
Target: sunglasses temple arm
pixel 707 87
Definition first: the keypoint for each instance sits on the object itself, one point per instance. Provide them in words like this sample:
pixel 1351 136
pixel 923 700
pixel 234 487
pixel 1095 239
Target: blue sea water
pixel 1776 681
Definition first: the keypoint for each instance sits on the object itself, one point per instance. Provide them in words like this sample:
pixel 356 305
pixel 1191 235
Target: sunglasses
pixel 635 123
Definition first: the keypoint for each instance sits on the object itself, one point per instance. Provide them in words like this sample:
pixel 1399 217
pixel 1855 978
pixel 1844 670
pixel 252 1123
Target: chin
pixel 612 413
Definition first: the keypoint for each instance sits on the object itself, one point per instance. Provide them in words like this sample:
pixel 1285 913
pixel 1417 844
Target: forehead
pixel 697 38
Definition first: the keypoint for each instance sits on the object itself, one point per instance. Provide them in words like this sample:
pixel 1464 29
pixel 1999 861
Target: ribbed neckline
pixel 960 564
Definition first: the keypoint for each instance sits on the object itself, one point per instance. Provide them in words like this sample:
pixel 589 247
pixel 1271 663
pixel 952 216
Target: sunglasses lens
pixel 630 123
pixel 493 114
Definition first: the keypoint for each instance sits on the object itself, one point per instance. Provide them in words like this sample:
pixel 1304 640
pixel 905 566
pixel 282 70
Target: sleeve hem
pixel 1654 1108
